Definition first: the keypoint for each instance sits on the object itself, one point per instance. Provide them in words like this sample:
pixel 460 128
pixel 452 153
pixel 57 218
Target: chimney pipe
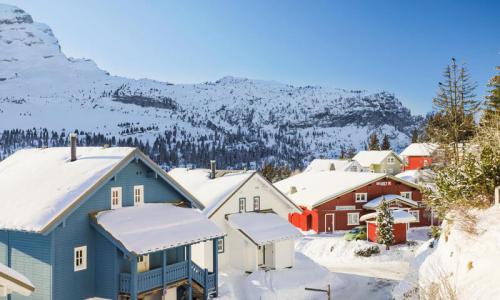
pixel 497 195
pixel 212 169
pixel 73 146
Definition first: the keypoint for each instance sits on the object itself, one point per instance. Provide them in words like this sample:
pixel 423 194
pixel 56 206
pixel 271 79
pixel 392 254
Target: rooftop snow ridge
pixel 11 15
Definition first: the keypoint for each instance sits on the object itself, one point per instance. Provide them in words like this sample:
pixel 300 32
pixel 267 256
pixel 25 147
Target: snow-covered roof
pixel 400 216
pixel 154 227
pixel 38 184
pixel 263 228
pixel 376 202
pixel 417 176
pixel 312 188
pixel 319 165
pixel 367 158
pixel 210 192
pixel 14 281
pixel 420 149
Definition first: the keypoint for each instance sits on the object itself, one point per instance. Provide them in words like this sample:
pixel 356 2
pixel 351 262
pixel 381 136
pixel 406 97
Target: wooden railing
pixel 154 278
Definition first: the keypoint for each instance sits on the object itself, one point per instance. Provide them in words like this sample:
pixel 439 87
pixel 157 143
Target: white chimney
pixel 293 189
pixel 497 195
pixel 72 137
pixel 212 169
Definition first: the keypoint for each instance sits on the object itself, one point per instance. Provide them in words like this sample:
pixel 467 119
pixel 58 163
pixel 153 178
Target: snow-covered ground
pixel 461 265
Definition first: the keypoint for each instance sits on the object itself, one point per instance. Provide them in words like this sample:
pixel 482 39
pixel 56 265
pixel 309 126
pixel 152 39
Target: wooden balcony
pixel 160 277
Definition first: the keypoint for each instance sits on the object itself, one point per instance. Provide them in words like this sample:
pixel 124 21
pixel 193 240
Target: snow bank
pixel 462 264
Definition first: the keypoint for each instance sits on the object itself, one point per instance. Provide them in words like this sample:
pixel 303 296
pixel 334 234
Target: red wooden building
pixel 333 200
pixel 418 156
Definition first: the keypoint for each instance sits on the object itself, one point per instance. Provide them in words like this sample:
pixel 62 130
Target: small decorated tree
pixel 385 220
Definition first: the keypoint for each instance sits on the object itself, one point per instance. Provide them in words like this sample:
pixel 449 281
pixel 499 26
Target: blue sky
pixel 400 46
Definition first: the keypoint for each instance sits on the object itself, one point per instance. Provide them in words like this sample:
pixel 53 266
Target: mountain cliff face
pixel 237 120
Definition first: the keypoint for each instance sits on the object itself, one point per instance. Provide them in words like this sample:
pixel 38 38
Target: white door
pixel 329 222
pixel 269 255
pixel 260 255
pixel 143 263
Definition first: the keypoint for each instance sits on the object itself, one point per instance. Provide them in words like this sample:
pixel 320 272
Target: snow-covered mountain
pixel 237 120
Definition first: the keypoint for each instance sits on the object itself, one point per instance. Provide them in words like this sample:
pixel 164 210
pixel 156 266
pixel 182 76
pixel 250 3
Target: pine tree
pixel 386 144
pixel 385 221
pixel 269 172
pixel 414 136
pixel 455 105
pixel 492 104
pixel 373 142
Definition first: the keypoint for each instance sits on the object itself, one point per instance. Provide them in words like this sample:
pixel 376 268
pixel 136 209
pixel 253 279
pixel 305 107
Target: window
pixel 361 197
pixel 426 163
pixel 116 197
pixel 352 218
pixel 256 203
pixel 80 259
pixel 406 195
pixel 390 160
pixel 242 204
pixel 354 168
pixel 220 245
pixel 138 195
pixel 416 214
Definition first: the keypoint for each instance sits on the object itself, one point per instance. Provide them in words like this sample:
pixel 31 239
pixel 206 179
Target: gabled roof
pixel 14 281
pixel 213 193
pixel 376 202
pixel 311 189
pixel 154 227
pixel 420 149
pixel 400 216
pixel 320 165
pixel 368 158
pixel 40 186
pixel 263 228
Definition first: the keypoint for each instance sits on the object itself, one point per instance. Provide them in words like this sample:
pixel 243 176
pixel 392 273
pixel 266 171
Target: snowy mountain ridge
pixel 41 88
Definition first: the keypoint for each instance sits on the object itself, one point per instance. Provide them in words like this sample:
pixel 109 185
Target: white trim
pixel 405 194
pixel 333 222
pixel 352 214
pixel 116 194
pixel 345 207
pixel 416 214
pixel 138 195
pixel 80 258
pixel 360 201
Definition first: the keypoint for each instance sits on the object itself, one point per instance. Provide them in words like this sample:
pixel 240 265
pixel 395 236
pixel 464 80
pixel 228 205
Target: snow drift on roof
pixel 157 226
pixel 313 188
pixel 15 281
pixel 263 228
pixel 419 149
pixel 210 192
pixel 367 158
pixel 376 202
pixel 400 216
pixel 319 165
pixel 39 184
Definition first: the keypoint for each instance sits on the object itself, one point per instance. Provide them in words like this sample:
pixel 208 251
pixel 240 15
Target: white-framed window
pixel 406 195
pixel 354 169
pixel 242 204
pixel 426 163
pixel 416 214
pixel 80 258
pixel 220 245
pixel 390 160
pixel 361 197
pixel 138 195
pixel 116 197
pixel 352 218
pixel 256 203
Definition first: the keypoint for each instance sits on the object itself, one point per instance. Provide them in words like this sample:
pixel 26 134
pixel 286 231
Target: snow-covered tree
pixel 385 220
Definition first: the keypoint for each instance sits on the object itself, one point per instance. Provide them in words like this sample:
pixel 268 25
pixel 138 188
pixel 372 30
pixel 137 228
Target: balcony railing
pixel 154 278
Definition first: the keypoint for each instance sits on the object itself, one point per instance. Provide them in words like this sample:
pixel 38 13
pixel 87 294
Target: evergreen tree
pixel 373 142
pixel 385 221
pixel 269 172
pixel 414 136
pixel 386 144
pixel 455 106
pixel 492 104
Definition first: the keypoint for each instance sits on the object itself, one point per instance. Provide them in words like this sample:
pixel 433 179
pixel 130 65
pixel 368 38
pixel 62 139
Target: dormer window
pixel 116 197
pixel 138 195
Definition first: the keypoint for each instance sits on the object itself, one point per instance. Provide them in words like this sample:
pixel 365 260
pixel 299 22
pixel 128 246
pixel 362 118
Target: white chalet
pixel 252 212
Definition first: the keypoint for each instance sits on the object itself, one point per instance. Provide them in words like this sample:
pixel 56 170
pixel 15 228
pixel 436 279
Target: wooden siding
pixel 30 254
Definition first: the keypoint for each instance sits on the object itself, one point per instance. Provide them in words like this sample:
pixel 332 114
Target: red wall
pixel 399 231
pixel 417 162
pixel 306 221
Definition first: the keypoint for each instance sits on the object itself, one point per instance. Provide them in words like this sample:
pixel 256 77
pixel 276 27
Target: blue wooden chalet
pixel 93 222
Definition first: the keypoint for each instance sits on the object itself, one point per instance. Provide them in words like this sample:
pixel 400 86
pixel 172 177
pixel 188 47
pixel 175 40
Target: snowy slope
pixel 41 88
